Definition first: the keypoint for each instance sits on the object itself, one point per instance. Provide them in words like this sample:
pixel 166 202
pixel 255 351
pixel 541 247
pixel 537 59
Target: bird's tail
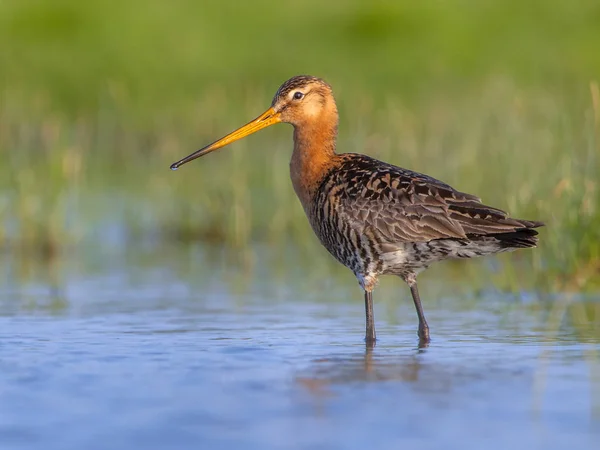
pixel 520 238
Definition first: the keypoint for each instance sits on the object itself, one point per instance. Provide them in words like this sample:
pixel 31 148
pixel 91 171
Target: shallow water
pixel 179 349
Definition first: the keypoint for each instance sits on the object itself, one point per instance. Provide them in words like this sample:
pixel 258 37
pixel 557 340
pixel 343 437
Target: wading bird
pixel 373 217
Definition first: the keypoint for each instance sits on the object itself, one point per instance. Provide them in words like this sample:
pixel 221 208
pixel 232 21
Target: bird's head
pixel 300 100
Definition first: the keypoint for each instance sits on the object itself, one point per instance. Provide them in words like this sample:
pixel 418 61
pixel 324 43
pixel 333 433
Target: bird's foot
pixel 370 341
pixel 424 334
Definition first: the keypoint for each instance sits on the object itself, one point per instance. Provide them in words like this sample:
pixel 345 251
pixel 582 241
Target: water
pixel 180 349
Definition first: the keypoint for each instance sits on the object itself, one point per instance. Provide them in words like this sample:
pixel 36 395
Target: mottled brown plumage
pixel 373 217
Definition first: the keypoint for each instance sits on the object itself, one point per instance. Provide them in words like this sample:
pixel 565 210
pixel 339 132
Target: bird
pixel 373 217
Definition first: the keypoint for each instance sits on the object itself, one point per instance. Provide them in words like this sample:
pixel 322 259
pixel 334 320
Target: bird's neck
pixel 313 157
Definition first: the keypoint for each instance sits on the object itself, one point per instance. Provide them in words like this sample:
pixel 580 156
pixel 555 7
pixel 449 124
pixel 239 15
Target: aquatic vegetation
pixel 90 120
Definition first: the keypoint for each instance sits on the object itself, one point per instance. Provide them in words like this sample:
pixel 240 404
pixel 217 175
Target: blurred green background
pixel 98 98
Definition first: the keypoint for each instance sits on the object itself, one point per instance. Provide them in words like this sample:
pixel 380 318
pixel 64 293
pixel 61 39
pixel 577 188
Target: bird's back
pixel 375 217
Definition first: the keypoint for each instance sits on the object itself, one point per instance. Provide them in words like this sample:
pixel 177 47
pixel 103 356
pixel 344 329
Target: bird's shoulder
pixel 379 178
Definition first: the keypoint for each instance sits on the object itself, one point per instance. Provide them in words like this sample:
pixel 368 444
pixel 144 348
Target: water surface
pixel 181 349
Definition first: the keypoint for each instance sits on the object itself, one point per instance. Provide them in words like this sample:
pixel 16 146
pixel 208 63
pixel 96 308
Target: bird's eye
pixel 298 95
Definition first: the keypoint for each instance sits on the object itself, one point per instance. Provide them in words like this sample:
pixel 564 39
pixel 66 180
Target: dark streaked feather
pixel 297 82
pixel 401 206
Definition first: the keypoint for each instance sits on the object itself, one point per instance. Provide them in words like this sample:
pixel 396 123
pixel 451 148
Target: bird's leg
pixel 370 333
pixel 423 327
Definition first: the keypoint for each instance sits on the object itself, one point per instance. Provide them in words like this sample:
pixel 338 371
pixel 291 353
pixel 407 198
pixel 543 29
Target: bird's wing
pixel 404 206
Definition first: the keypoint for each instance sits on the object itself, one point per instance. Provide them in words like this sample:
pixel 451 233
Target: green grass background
pixel 97 98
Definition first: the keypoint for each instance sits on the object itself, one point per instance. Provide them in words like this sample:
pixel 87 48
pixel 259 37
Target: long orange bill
pixel 266 119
